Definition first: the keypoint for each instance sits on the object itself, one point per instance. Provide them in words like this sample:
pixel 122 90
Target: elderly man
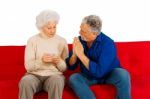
pixel 96 55
pixel 45 56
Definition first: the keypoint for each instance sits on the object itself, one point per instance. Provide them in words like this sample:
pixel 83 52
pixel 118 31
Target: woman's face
pixel 49 29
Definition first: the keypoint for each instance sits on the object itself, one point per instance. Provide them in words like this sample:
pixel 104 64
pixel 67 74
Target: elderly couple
pixel 46 58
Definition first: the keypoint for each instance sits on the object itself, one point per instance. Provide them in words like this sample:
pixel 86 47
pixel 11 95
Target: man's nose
pixel 52 30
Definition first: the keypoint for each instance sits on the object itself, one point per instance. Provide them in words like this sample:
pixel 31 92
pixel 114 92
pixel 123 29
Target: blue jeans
pixel 118 77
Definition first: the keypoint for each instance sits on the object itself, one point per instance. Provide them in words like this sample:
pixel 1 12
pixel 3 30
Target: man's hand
pixel 74 45
pixel 77 47
pixel 79 52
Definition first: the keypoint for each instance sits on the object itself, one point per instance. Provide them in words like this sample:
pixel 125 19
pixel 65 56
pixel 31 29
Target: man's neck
pixel 89 44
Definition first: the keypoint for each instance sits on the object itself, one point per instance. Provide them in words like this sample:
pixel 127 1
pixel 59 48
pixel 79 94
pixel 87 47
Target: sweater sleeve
pixel 62 64
pixel 31 63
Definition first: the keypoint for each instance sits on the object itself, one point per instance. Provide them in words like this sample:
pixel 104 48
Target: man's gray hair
pixel 94 22
pixel 45 16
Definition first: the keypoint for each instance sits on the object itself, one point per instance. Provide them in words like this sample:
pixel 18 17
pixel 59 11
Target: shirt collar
pixel 99 37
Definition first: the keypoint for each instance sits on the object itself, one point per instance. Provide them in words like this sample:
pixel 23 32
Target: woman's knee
pixel 24 81
pixel 27 82
pixel 57 80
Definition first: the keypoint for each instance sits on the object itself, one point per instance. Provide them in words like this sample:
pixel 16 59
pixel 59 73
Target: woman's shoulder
pixel 34 38
pixel 60 38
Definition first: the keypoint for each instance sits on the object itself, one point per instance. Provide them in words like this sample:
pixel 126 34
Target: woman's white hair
pixel 45 16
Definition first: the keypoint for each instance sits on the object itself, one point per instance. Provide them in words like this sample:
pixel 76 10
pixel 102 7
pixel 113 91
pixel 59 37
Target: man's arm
pixel 73 59
pixel 84 59
pixel 104 64
pixel 79 52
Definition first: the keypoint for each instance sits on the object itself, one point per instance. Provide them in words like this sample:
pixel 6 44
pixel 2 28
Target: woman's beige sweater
pixel 41 44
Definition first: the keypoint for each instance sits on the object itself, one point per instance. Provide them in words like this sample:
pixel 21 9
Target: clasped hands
pixel 48 58
pixel 77 47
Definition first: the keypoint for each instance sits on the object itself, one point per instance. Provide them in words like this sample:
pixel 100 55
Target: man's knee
pixel 74 77
pixel 123 76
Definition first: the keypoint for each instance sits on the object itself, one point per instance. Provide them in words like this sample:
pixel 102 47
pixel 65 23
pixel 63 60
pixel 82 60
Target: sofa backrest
pixel 11 55
pixel 11 62
pixel 134 56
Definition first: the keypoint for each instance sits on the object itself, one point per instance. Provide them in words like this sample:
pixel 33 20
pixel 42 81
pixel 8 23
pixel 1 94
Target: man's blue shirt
pixel 102 57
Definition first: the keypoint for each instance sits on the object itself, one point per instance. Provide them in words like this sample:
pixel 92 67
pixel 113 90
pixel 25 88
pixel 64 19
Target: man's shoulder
pixel 105 37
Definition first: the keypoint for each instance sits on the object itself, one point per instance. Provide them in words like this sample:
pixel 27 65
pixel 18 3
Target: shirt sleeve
pixel 74 66
pixel 104 64
pixel 31 63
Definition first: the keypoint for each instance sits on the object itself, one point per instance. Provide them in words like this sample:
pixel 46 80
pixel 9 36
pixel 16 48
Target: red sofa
pixel 134 56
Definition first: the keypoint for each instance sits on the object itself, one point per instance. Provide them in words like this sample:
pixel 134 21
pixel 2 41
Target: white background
pixel 123 20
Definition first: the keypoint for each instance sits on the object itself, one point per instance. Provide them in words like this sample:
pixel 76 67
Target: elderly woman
pixel 44 59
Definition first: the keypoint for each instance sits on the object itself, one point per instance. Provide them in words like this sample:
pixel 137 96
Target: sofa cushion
pixel 9 89
pixel 100 92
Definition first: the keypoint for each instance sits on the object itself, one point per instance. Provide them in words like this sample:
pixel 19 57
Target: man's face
pixel 85 32
pixel 50 29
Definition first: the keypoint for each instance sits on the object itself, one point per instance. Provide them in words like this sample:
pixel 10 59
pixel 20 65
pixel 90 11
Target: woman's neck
pixel 46 36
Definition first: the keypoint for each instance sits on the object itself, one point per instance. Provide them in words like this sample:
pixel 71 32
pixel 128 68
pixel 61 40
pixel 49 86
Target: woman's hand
pixel 47 58
pixel 56 59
